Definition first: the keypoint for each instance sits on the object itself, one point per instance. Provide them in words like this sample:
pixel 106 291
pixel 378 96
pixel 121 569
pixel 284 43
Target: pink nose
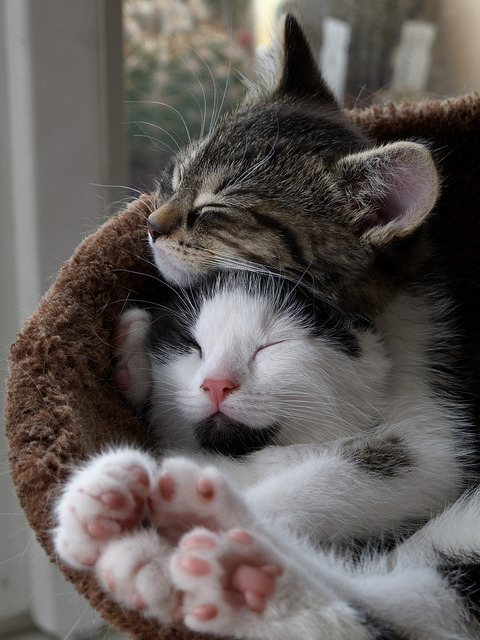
pixel 218 389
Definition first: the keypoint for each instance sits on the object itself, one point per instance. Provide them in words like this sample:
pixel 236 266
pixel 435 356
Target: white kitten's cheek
pixel 197 411
pixel 193 402
pixel 254 413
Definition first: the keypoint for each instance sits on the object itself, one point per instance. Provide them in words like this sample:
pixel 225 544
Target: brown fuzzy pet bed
pixel 61 403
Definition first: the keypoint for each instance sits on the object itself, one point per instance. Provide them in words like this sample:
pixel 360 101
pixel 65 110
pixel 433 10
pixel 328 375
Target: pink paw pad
pixel 110 581
pixel 198 542
pixel 87 561
pixel 140 475
pixel 99 531
pixel 114 499
pixel 193 565
pixel 166 485
pixel 204 611
pixel 137 601
pixel 256 584
pixel 243 537
pixel 119 337
pixel 122 379
pixel 205 489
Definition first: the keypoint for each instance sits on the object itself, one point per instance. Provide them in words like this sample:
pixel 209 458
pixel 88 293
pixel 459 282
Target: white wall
pixel 459 46
pixel 60 135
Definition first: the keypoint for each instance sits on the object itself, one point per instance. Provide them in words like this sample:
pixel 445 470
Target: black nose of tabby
pixel 154 231
pixel 164 220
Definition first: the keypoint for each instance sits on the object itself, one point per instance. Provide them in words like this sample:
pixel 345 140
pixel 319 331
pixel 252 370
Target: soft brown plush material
pixel 61 403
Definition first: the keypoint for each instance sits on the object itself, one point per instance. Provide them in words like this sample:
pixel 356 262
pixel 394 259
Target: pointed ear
pixel 300 76
pixel 390 190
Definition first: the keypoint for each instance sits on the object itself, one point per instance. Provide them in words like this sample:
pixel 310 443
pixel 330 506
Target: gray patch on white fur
pixel 387 458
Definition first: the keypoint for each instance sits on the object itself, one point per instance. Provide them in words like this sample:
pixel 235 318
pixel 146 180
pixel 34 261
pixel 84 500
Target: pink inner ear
pixel 411 192
pixel 395 185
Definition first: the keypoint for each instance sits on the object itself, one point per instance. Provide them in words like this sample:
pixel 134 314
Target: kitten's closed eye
pixel 202 210
pixel 196 346
pixel 209 208
pixel 190 342
pixel 266 346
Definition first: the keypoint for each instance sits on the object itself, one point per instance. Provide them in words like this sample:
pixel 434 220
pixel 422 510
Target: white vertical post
pixel 61 135
pixel 19 276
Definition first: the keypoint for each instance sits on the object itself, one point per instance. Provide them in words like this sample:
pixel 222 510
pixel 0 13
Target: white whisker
pixel 164 104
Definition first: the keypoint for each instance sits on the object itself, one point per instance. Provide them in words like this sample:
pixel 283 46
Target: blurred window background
pixel 185 59
pixel 95 95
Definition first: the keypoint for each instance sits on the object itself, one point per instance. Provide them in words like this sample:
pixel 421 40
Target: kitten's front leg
pixel 257 584
pixel 358 488
pixel 241 583
pixel 223 580
pixel 102 514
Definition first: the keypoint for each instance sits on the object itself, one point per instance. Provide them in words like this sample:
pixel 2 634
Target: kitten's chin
pixel 220 434
pixel 172 270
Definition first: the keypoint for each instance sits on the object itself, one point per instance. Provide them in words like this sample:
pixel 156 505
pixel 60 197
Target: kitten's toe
pixel 188 495
pixel 100 502
pixel 130 331
pixel 133 570
pixel 255 584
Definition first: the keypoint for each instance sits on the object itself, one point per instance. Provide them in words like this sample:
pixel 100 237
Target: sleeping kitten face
pixel 253 362
pixel 286 185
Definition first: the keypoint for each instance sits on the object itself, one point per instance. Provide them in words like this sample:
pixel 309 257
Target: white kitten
pixel 302 427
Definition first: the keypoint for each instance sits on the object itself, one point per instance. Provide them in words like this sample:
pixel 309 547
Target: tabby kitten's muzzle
pixel 154 231
pixel 164 220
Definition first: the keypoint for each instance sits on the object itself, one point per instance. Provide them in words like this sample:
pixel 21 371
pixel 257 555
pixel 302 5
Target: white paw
pixel 100 502
pixel 132 367
pixel 228 580
pixel 134 572
pixel 188 495
pixel 241 583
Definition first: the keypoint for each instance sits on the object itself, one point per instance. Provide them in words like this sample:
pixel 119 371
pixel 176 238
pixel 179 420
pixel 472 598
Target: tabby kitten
pixel 286 184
